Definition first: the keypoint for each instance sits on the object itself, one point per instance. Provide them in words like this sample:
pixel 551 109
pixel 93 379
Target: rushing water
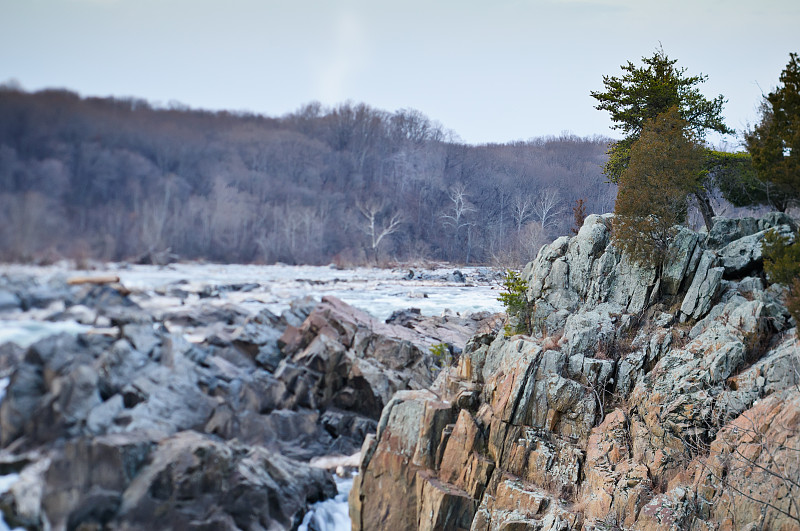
pixel 331 514
pixel 27 332
pixel 376 291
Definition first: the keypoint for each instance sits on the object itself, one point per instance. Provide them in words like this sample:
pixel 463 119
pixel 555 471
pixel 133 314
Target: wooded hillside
pixel 119 179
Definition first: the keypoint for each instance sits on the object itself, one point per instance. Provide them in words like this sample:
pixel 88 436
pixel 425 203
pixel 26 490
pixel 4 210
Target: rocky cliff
pixel 648 398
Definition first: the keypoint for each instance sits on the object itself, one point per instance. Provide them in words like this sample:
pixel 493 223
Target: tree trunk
pixel 707 211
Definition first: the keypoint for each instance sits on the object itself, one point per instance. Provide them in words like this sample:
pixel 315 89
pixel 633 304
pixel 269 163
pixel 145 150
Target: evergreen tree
pixel 734 175
pixel 775 142
pixel 643 93
pixel 665 166
pixel 515 300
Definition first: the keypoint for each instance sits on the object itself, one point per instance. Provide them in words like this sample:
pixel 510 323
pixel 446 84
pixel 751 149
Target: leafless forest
pixel 119 179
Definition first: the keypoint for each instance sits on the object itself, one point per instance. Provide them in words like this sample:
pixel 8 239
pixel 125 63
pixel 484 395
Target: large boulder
pixel 743 256
pixel 704 287
pixel 384 493
pixel 52 390
pixel 343 358
pixel 189 480
pixel 192 481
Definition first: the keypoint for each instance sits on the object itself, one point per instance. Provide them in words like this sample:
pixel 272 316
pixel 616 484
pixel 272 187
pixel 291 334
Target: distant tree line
pixel 119 179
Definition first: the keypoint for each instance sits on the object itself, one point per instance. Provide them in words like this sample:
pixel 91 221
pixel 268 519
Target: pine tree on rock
pixel 665 167
pixel 775 142
pixel 643 93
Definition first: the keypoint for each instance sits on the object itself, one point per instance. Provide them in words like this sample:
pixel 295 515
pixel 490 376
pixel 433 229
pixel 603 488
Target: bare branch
pixel 547 207
pixel 373 228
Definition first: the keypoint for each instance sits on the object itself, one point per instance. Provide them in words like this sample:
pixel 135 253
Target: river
pixel 331 514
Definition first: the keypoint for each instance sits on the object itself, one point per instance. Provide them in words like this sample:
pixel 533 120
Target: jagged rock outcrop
pixel 132 426
pixel 344 358
pixel 648 398
pixel 107 434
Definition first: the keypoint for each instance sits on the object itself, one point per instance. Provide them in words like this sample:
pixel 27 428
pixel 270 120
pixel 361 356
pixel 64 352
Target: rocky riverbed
pixel 196 397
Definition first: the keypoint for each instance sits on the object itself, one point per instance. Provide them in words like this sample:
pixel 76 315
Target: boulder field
pixel 664 398
pixel 130 426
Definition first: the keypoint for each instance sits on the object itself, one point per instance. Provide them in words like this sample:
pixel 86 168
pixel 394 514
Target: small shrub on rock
pixel 441 353
pixel 793 301
pixel 519 310
pixel 579 213
pixel 782 265
pixel 781 258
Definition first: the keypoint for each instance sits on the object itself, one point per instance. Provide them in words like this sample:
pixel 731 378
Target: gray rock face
pixel 742 256
pixel 587 270
pixel 704 287
pixel 591 331
pixel 724 231
pixel 678 261
pixel 590 243
pixel 641 390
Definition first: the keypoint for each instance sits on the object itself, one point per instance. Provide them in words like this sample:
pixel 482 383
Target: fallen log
pixel 99 280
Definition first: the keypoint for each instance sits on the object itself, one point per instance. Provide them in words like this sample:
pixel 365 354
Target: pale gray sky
pixel 492 71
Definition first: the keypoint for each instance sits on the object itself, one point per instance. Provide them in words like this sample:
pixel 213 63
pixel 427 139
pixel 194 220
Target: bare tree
pixel 455 217
pixel 156 211
pixel 547 207
pixel 521 210
pixel 530 239
pixel 413 126
pixel 377 224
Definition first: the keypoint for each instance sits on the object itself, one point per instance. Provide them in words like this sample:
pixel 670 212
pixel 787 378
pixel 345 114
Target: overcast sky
pixel 492 71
